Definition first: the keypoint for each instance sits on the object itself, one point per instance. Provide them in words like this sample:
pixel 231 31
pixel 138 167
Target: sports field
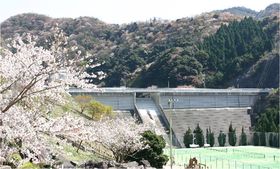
pixel 241 157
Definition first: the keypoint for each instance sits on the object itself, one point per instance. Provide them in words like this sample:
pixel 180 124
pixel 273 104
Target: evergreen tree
pixel 243 138
pixel 234 47
pixel 276 140
pixel 188 138
pixel 256 139
pixel 271 140
pixel 207 136
pixel 153 153
pixel 211 138
pixel 231 136
pixel 222 139
pixel 199 138
pixel 262 139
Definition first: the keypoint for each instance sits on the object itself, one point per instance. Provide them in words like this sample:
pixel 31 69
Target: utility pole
pixel 168 82
pixel 171 105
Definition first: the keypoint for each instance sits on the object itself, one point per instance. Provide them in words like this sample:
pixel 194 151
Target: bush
pixel 256 139
pixel 222 139
pixel 262 139
pixel 29 165
pixel 154 152
pixel 199 138
pixel 231 136
pixel 188 138
pixel 243 138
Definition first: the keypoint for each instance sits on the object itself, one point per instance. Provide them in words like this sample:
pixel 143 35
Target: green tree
pixel 276 140
pixel 233 48
pixel 256 139
pixel 231 135
pixel 98 110
pixel 243 138
pixel 154 151
pixel 83 102
pixel 89 107
pixel 270 140
pixel 188 138
pixel 199 137
pixel 268 111
pixel 210 139
pixel 262 139
pixel 207 136
pixel 222 139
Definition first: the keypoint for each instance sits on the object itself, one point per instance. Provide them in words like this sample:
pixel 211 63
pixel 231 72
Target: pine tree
pixel 231 135
pixel 222 139
pixel 199 138
pixel 256 139
pixel 211 138
pixel 262 139
pixel 188 138
pixel 243 138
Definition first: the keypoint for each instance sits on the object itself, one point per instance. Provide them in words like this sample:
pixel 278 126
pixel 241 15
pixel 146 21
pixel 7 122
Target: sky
pixel 123 11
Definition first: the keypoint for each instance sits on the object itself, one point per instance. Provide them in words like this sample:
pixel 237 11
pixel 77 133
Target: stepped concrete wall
pixel 218 119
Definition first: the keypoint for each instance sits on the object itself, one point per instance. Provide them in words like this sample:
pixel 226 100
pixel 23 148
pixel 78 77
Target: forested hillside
pixel 216 49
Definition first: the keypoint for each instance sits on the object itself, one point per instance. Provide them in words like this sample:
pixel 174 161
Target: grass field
pixel 241 157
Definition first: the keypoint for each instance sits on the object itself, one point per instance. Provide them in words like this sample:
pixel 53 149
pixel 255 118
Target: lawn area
pixel 241 157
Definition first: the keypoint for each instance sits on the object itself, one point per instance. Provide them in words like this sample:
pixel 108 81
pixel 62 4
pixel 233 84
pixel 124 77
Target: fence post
pixel 228 165
pixel 235 164
pixel 216 163
pixel 222 163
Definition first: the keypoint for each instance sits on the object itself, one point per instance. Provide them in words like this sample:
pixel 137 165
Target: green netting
pixel 242 157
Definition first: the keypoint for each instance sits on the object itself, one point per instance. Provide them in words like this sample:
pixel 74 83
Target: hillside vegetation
pixel 215 49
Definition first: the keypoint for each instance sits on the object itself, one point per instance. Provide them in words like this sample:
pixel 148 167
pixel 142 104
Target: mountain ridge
pixel 128 50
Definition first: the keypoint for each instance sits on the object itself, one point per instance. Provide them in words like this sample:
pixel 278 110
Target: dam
pixel 186 107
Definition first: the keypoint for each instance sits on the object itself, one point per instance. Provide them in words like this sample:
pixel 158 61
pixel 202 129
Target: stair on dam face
pixel 150 114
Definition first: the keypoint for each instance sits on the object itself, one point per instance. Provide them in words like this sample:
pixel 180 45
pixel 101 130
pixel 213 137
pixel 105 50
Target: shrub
pixel 243 138
pixel 154 152
pixel 231 135
pixel 256 139
pixel 222 139
pixel 199 138
pixel 262 139
pixel 188 138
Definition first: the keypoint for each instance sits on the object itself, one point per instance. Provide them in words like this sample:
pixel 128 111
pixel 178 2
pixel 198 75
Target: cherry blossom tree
pixel 122 136
pixel 32 79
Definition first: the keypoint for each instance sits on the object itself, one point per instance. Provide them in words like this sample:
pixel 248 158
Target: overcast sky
pixel 123 11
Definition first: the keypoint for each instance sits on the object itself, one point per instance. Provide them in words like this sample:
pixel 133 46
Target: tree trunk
pixel 79 146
